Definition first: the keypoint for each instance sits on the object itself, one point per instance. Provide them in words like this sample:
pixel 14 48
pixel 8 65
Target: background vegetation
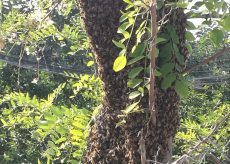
pixel 50 92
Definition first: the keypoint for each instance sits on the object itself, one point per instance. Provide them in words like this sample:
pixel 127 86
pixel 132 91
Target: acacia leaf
pixel 119 63
pixel 134 72
pixel 181 88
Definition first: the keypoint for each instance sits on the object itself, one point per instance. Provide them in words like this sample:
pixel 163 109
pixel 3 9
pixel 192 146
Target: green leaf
pixel 126 15
pixel 51 151
pixel 189 47
pixel 134 72
pixel 168 80
pixel 189 36
pixel 190 26
pixel 119 63
pixel 172 32
pixel 209 5
pixel 166 51
pixel 156 52
pixel 182 4
pixel 139 50
pixel 130 108
pixel 60 140
pixel 133 83
pixel 51 145
pixel 216 36
pixel 178 55
pixel 126 34
pixel 119 44
pixel 141 27
pixel 157 73
pixel 178 68
pixel 62 130
pixel 128 1
pixel 3 122
pixel 90 63
pixel 159 40
pixel 181 88
pixel 134 60
pixel 39 162
pixel 226 23
pixel 79 125
pixel 138 3
pixel 134 94
pixel 76 132
pixel 166 68
pixel 123 27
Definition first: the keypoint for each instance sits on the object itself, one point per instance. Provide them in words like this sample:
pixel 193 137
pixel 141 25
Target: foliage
pixel 44 126
pixel 207 104
pixel 49 37
pixel 33 128
pixel 172 62
pixel 201 113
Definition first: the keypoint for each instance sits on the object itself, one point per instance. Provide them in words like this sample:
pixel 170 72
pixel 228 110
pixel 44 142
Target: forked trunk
pixel 108 143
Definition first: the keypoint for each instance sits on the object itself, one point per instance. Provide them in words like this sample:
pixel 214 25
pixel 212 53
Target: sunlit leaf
pixel 90 63
pixel 119 63
pixel 119 44
pixel 130 108
pixel 134 94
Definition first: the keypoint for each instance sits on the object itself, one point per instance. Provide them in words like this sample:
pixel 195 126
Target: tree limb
pixel 152 62
pixel 206 61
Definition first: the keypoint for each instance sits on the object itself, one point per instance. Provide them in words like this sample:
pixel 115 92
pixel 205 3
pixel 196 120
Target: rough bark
pixel 107 143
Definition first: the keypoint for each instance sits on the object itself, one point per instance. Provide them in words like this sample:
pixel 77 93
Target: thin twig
pixel 206 61
pixel 187 158
pixel 162 21
pixel 210 134
pixel 50 12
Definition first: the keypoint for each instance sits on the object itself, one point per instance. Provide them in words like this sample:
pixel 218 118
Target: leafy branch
pixel 187 158
pixel 210 134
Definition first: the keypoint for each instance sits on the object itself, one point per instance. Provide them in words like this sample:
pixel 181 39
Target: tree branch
pixel 210 134
pixel 152 62
pixel 187 158
pixel 206 61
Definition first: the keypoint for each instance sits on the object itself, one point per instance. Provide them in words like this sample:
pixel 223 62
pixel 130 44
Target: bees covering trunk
pixel 107 142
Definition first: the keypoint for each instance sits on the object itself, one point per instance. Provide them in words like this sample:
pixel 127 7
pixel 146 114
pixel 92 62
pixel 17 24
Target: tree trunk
pixel 108 143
